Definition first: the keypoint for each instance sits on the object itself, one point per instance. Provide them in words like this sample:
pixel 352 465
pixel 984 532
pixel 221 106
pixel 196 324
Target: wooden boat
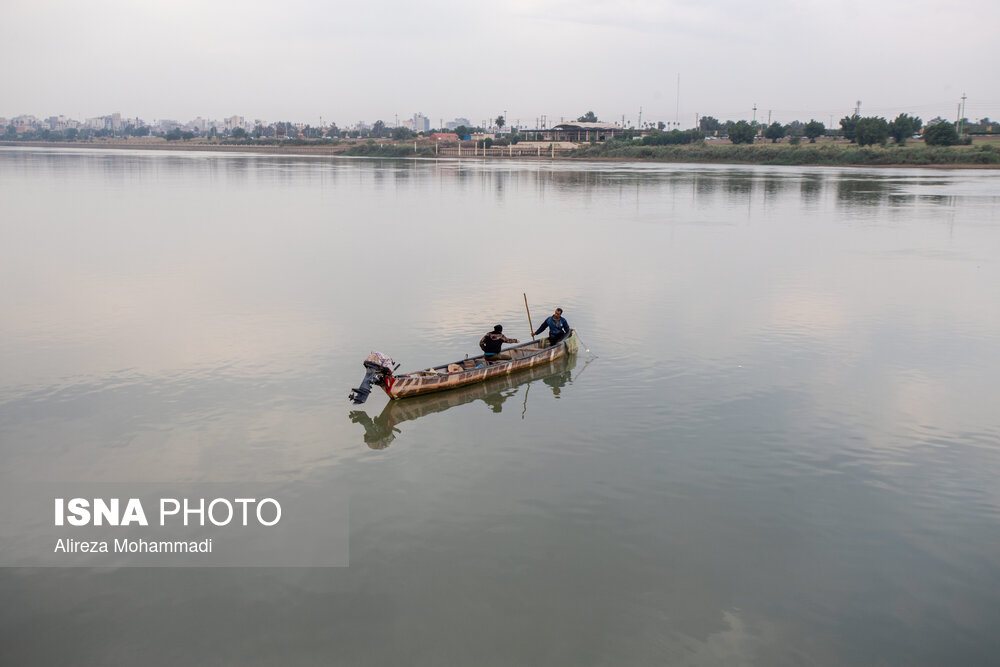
pixel 381 371
pixel 383 428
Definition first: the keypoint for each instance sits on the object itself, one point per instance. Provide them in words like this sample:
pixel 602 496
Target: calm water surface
pixel 783 447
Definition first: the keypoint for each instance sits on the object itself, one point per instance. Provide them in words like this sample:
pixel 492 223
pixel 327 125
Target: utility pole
pixel 754 114
pixel 768 116
pixel 640 118
pixel 857 109
pixel 961 117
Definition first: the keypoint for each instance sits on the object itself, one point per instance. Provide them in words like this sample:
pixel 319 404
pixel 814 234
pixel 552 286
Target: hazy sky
pixel 301 60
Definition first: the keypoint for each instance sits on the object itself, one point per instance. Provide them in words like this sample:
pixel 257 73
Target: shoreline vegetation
pixel 981 154
pixel 827 154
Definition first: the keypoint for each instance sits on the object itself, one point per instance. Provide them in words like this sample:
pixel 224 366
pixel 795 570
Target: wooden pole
pixel 529 315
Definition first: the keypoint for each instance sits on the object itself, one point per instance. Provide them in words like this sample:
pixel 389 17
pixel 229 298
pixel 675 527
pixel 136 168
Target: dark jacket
pixel 491 342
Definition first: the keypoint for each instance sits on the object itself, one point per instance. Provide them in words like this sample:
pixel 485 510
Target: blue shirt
pixel 554 329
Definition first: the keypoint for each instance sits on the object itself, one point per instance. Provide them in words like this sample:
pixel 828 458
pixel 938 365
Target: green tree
pixel 847 124
pixel 709 125
pixel 173 135
pixel 774 131
pixel 871 130
pixel 904 127
pixel 941 134
pixel 742 132
pixel 500 122
pixel 814 129
pixel 589 117
pixel 239 133
pixel 379 130
pixel 71 134
pixel 402 133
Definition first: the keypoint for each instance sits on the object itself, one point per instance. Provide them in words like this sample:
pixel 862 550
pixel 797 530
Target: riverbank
pixel 980 155
pixel 160 145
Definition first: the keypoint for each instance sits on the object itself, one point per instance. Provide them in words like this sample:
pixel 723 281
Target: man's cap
pixel 497 329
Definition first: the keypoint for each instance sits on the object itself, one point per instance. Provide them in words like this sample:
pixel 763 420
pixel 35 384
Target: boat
pixel 383 428
pixel 380 370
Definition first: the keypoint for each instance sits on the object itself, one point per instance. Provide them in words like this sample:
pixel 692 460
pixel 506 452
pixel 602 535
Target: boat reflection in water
pixel 382 430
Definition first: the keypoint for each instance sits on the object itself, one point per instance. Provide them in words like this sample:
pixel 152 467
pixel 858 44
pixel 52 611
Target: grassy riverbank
pixel 985 154
pixel 979 155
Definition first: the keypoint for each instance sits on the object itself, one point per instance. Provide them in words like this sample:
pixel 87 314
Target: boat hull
pixel 405 386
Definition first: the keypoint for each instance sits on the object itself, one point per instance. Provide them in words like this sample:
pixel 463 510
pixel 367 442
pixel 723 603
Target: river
pixel 779 443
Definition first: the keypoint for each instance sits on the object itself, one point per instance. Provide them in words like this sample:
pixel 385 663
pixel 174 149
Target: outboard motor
pixel 377 368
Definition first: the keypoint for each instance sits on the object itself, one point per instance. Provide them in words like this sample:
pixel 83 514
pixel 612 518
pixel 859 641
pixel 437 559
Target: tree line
pixel 863 131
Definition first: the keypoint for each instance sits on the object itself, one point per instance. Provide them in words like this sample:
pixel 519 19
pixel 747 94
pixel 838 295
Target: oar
pixel 529 315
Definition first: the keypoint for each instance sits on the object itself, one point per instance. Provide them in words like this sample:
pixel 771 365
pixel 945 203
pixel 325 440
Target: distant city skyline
pixel 418 122
pixel 301 61
pixel 117 122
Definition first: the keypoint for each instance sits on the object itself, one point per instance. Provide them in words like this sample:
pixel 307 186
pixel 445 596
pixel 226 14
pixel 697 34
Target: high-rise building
pixel 420 122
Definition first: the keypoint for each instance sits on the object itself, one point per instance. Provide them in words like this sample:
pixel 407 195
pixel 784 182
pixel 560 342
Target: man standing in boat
pixel 558 327
pixel 491 343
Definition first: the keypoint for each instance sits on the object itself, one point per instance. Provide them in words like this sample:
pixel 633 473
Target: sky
pixel 308 61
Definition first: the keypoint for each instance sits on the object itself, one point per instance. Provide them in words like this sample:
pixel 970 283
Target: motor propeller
pixel 373 373
pixel 378 367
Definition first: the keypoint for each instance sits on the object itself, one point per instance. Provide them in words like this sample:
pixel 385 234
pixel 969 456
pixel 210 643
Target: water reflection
pixel 382 430
pixel 739 185
pixel 503 181
pixel 858 192
pixel 774 185
pixel 810 187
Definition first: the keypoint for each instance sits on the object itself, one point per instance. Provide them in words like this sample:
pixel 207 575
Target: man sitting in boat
pixel 557 325
pixel 491 343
